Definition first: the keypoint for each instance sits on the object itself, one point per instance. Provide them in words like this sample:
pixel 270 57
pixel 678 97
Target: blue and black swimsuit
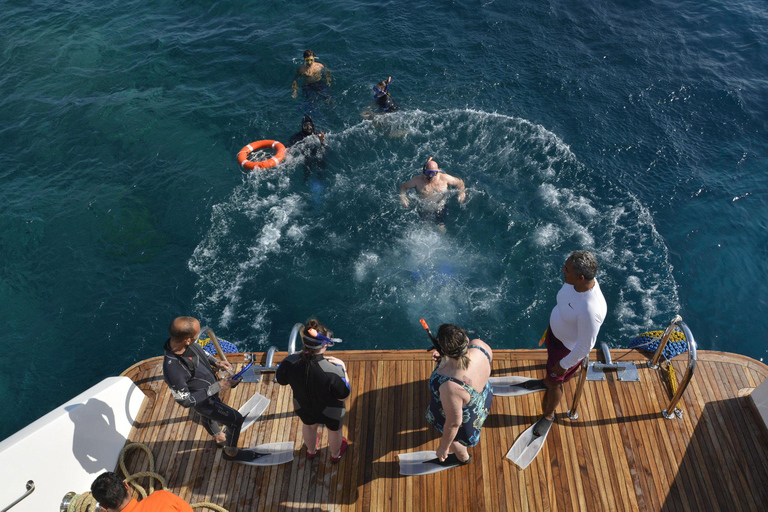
pixel 386 103
pixel 474 413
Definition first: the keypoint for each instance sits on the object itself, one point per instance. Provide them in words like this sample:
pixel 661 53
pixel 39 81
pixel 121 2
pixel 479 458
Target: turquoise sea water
pixel 633 129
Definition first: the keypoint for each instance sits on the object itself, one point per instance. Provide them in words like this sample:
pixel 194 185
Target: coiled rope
pixel 649 342
pixel 87 503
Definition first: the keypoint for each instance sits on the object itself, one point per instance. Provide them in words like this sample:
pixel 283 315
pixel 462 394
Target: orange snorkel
pixel 431 337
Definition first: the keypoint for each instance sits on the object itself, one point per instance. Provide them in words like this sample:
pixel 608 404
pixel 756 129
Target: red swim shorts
pixel 556 351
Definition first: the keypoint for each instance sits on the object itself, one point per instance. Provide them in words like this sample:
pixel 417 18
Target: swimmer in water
pixel 382 100
pixel 306 141
pixel 307 130
pixel 312 74
pixel 432 185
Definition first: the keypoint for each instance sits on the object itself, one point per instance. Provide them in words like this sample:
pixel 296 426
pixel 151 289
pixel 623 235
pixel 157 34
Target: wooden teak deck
pixel 619 455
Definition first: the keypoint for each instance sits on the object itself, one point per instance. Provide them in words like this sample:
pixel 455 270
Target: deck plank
pixel 619 455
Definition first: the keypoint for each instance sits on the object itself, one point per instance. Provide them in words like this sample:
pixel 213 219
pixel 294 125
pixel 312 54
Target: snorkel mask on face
pixel 429 173
pixel 307 126
pixel 317 340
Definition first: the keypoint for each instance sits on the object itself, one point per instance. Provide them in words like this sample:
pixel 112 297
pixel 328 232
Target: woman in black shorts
pixel 320 384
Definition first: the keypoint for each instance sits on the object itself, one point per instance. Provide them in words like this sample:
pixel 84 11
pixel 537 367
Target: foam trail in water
pixel 224 265
pixel 379 266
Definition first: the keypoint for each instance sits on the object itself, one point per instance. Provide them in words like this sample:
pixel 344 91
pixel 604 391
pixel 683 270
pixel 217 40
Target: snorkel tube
pixel 379 91
pixel 431 337
pixel 239 374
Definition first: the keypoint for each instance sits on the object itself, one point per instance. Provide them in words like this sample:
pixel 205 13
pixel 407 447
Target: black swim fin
pixel 449 462
pixel 424 463
pixel 269 454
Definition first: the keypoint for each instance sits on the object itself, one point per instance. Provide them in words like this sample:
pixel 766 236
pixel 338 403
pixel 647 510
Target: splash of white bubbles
pixel 530 202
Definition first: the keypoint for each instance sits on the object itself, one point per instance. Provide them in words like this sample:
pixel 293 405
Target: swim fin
pixel 252 409
pixel 270 454
pixel 425 463
pixel 516 385
pixel 527 446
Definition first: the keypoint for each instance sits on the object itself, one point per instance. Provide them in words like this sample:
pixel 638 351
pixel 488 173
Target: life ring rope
pixel 242 155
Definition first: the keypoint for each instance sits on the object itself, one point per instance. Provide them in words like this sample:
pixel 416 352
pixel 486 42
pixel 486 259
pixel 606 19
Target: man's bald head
pixel 183 327
pixel 431 165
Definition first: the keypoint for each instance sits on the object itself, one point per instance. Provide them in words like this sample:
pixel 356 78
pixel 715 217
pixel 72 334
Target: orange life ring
pixel 242 155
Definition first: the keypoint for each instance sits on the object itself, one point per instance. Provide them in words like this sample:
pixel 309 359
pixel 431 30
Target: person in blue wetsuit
pixel 461 396
pixel 320 385
pixel 382 100
pixel 312 74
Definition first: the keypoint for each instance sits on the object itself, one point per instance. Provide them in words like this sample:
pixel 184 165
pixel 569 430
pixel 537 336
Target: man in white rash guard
pixel 573 327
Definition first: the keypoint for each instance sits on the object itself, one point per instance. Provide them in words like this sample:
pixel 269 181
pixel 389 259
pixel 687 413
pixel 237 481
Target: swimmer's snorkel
pixel 239 375
pixel 317 340
pixel 431 337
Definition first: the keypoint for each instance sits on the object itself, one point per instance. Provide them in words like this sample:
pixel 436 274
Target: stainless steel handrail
pixel 572 414
pixel 269 367
pixel 270 356
pixel 692 358
pixel 30 490
pixel 654 362
pixel 294 336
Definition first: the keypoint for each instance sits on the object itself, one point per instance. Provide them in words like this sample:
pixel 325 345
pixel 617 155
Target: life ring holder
pixel 242 155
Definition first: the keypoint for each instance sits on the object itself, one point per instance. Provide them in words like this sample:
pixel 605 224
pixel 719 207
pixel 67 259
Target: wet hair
pixel 182 327
pixel 381 85
pixel 308 54
pixel 584 264
pixel 108 489
pixel 455 343
pixel 309 352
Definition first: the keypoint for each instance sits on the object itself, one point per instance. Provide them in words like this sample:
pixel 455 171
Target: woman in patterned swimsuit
pixel 461 395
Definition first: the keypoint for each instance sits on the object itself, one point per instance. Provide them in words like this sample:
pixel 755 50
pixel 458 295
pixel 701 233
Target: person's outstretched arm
pixel 403 189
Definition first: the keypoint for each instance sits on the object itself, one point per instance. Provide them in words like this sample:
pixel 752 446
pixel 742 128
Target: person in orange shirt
pixel 113 495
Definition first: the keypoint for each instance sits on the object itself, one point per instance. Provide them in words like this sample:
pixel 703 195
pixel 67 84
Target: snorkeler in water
pixel 311 143
pixel 432 185
pixel 312 73
pixel 307 130
pixel 382 100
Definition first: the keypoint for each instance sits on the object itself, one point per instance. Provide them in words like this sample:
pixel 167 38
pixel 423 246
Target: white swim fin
pixel 252 409
pixel 515 385
pixel 527 446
